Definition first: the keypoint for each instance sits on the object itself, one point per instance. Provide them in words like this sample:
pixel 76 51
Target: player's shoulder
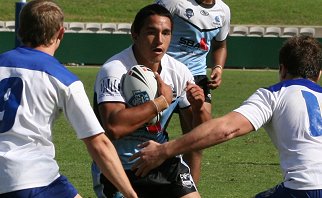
pixel 35 60
pixel 118 64
pixel 223 5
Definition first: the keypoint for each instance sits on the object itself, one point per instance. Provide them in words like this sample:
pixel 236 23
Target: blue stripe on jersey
pixel 28 58
pixel 303 82
pixel 314 113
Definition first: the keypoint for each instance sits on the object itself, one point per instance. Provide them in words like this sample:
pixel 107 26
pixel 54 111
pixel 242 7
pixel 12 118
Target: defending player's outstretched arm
pixel 210 133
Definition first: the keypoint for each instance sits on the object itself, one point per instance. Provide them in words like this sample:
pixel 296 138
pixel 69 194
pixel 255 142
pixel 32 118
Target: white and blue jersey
pixel 195 26
pixel 290 112
pixel 108 89
pixel 34 89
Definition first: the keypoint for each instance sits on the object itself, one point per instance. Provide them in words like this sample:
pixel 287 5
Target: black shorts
pixel 172 179
pixel 202 81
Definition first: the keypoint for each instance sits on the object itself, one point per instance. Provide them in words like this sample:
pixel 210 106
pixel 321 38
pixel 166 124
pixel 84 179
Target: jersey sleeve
pixel 188 77
pixel 79 112
pixel 258 108
pixel 223 33
pixel 108 80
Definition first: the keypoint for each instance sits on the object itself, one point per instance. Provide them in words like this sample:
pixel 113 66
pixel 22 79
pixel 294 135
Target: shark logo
pixel 189 13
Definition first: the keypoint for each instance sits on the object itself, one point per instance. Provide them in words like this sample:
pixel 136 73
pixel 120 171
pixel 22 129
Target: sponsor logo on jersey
pixel 189 13
pixel 190 43
pixel 109 86
pixel 204 12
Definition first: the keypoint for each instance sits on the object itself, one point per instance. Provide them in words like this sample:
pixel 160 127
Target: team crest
pixel 217 21
pixel 189 13
pixel 139 97
pixel 186 180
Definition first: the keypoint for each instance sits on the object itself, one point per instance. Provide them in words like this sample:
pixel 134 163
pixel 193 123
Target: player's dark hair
pixel 302 56
pixel 39 22
pixel 145 12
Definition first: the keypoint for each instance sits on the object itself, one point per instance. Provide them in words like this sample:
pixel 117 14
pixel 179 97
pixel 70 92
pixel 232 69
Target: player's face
pixel 153 40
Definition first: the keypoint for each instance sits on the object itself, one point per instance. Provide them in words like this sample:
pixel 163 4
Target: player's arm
pixel 194 116
pixel 219 55
pixel 210 133
pixel 119 120
pixel 104 154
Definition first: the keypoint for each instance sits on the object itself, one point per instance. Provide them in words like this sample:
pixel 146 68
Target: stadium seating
pixel 109 28
pixel 93 27
pixel 10 25
pixel 66 25
pixel 2 26
pixel 235 30
pixel 290 31
pixel 239 31
pixel 256 31
pixel 272 31
pixel 123 28
pixel 76 26
pixel 307 31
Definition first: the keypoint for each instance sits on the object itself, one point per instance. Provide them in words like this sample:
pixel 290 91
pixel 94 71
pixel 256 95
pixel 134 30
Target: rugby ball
pixel 139 85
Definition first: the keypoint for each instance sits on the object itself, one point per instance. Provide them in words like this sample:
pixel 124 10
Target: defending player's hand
pixel 149 157
pixel 164 89
pixel 195 95
pixel 215 78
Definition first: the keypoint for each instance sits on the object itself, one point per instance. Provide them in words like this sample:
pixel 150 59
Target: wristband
pixel 161 103
pixel 156 106
pixel 217 66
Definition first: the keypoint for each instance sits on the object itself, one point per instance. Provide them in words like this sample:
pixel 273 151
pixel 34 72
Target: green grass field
pixel 235 169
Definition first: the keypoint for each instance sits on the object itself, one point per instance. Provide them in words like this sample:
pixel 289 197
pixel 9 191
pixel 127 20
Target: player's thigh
pixel 192 195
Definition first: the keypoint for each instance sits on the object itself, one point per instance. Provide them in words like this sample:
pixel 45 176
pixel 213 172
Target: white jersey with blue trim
pixel 34 88
pixel 290 112
pixel 195 26
pixel 108 89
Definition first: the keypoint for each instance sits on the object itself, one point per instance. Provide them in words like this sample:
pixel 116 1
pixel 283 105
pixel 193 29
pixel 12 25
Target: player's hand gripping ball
pixel 139 85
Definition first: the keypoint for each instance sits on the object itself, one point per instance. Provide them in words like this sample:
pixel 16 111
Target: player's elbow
pixel 234 125
pixel 230 133
pixel 113 132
